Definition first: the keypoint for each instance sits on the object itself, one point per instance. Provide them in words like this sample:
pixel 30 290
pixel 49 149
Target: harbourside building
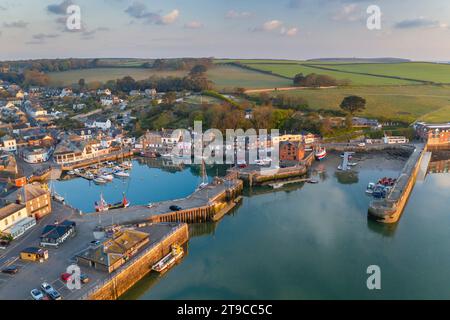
pixel 35 197
pixel 35 154
pixel 56 234
pixel 113 253
pixel 14 220
pixel 291 151
pixel 436 134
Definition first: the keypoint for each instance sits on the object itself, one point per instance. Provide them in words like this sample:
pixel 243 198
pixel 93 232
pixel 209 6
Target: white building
pixel 106 101
pixel 395 139
pixel 104 125
pixel 9 144
pixel 36 155
pixel 66 92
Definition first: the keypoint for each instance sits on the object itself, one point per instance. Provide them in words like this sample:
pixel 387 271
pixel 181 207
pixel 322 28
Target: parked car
pixel 65 277
pixel 84 278
pixel 50 291
pixel 54 295
pixel 46 287
pixel 175 208
pixel 11 270
pixel 37 294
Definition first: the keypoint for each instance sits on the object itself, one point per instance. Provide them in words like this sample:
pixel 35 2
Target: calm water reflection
pixel 315 242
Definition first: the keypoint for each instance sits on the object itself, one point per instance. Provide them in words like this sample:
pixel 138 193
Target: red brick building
pixel 291 151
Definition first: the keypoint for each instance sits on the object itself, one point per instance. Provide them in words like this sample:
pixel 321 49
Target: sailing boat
pixel 54 194
pixel 204 177
pixel 101 206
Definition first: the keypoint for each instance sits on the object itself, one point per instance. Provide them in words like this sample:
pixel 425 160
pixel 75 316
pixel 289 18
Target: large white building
pixel 9 143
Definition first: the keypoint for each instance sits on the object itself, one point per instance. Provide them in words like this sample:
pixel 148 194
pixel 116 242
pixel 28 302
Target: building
pixel 66 92
pixel 69 151
pixel 14 220
pixel 291 151
pixel 56 234
pixel 35 154
pixel 9 143
pixel 112 253
pixel 151 139
pixel 101 124
pixel 35 197
pixel 365 123
pixel 395 139
pixel 436 134
pixel 34 254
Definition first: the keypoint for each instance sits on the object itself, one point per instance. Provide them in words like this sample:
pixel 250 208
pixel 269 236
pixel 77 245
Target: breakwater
pixel 121 281
pixel 389 209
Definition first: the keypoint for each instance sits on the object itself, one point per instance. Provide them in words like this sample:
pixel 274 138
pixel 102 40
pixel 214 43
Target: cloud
pixel 60 9
pixel 16 24
pixel 40 38
pixel 272 25
pixel 232 14
pixel 290 32
pixel 170 17
pixel 193 25
pixel 420 22
pixel 277 25
pixel 138 10
pixel 350 12
pixel 89 34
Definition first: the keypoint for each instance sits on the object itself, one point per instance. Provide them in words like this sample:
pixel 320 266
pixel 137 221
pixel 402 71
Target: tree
pixel 299 78
pixel 353 104
pixel 81 83
pixel 198 69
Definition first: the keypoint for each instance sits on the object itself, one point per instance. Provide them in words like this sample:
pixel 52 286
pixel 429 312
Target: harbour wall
pixel 389 210
pixel 138 267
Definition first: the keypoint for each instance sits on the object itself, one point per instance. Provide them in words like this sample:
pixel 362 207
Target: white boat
pixel 352 164
pixel 127 164
pixel 167 155
pixel 277 185
pixel 107 177
pixel 320 153
pixel 370 188
pixel 99 180
pixel 169 260
pixel 71 172
pixel 89 175
pixel 121 174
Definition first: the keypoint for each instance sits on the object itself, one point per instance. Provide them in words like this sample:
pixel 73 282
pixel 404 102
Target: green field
pixel 290 70
pixel 66 78
pixel 402 103
pixel 222 76
pixel 433 72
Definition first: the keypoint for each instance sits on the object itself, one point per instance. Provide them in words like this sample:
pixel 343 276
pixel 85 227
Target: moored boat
pixel 320 153
pixel 169 260
pixel 99 180
pixel 121 174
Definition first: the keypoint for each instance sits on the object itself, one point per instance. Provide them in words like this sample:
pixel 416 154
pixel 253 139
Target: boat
pixel 121 174
pixel 127 165
pixel 277 185
pixel 370 187
pixel 204 183
pixel 169 260
pixel 89 176
pixel 107 177
pixel 312 181
pixel 352 164
pixel 58 197
pixel 379 192
pixel 320 153
pixel 71 172
pixel 167 155
pixel 122 204
pixel 99 180
pixel 101 206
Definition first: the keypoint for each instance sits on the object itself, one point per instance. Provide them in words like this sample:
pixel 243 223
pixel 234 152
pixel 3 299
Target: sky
pixel 277 29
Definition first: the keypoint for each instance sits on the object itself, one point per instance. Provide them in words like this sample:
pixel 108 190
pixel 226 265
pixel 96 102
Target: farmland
pixel 402 103
pixel 222 76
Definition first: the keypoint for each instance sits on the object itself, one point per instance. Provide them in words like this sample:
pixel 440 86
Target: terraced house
pixel 35 198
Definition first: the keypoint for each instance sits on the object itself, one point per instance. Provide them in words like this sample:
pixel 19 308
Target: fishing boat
pixel 101 206
pixel 121 174
pixel 54 194
pixel 169 260
pixel 320 153
pixel 122 204
pixel 99 180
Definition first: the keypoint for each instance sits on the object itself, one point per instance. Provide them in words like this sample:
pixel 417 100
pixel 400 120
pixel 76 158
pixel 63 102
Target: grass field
pixel 433 72
pixel 406 103
pixel 104 74
pixel 290 70
pixel 222 76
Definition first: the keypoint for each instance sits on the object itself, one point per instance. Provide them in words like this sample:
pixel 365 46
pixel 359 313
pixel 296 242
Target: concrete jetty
pixel 389 209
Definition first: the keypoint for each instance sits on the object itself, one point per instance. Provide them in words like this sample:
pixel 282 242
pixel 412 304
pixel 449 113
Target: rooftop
pixel 9 209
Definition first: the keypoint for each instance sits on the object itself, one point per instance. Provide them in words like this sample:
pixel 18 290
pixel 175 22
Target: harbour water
pixel 145 184
pixel 303 241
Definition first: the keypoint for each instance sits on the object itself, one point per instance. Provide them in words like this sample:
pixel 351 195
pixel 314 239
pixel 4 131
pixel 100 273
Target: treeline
pixel 53 65
pixel 314 80
pixel 179 64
